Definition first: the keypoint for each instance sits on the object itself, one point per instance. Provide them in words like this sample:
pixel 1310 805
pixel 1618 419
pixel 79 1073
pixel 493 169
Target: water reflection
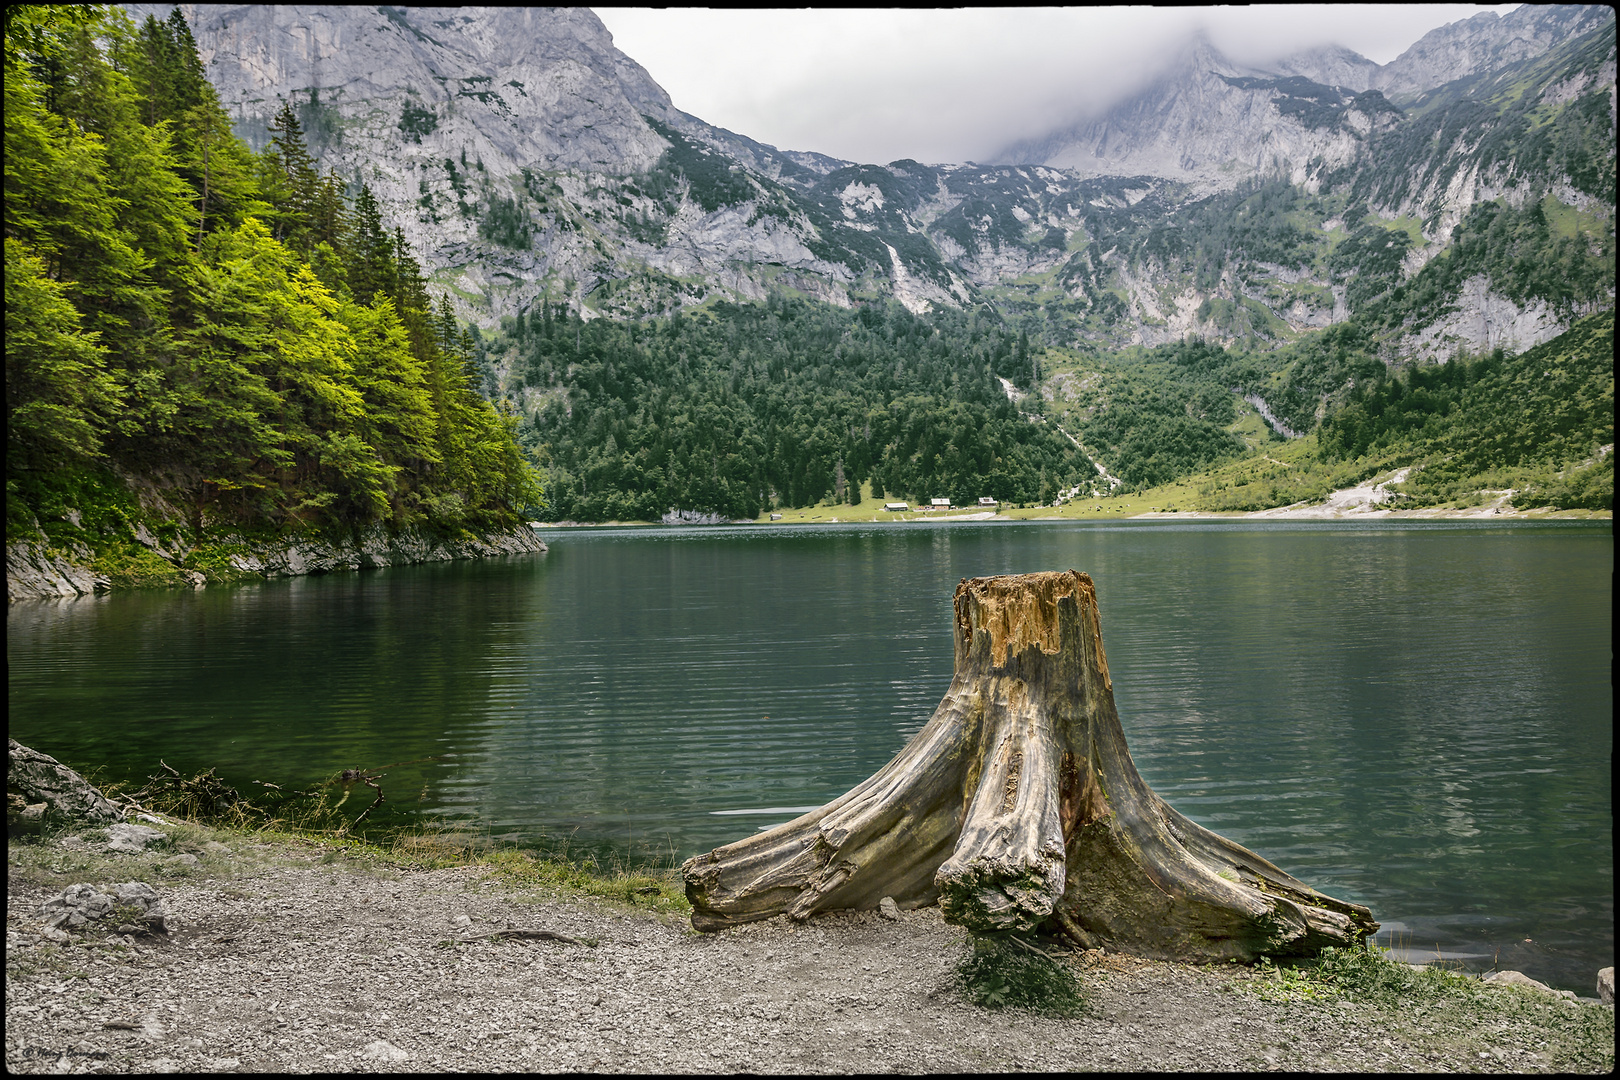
pixel 1414 717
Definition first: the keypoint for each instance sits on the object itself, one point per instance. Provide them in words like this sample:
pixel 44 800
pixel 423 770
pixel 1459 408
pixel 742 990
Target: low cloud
pixel 958 85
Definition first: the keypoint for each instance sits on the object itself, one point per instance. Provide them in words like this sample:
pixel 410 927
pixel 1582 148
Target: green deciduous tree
pixel 58 391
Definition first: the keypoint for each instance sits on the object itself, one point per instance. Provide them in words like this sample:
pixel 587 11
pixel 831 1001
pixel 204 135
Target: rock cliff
pixel 1486 42
pixel 35 572
pixel 525 156
pixel 508 144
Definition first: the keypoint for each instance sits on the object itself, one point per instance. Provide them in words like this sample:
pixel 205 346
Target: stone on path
pixel 1605 986
pixel 134 904
pixel 383 1050
pixel 888 908
pixel 1517 978
pixel 132 838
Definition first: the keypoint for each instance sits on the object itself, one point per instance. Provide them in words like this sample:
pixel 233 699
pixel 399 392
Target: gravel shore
pixel 291 956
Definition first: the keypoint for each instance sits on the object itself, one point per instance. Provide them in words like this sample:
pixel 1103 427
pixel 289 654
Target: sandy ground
pixel 285 961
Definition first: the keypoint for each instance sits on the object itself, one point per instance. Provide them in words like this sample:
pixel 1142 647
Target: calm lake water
pixel 1415 716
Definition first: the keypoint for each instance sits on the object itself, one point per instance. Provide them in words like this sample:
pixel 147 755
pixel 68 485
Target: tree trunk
pixel 1017 807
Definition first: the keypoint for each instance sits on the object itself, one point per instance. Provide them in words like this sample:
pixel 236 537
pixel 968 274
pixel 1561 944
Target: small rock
pixel 131 838
pixel 888 908
pixel 214 847
pixel 461 918
pixel 1517 978
pixel 189 862
pixel 383 1050
pixel 1605 986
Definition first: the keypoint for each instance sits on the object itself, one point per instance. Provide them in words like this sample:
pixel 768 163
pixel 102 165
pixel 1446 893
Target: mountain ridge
pixel 528 159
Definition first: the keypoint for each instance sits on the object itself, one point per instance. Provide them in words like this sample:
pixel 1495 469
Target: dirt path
pixel 285 961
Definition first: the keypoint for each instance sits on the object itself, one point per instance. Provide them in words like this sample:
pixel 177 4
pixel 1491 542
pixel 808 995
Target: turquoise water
pixel 1415 716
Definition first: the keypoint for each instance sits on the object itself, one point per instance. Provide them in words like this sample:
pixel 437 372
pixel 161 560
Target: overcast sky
pixel 959 85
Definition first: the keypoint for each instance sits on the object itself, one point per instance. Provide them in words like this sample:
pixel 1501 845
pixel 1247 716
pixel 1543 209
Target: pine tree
pixel 289 181
pixel 371 268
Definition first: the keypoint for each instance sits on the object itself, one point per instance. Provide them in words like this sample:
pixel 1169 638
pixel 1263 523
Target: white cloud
pixel 959 84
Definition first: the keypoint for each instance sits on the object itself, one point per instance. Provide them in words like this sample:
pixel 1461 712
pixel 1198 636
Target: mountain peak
pixel 1200 55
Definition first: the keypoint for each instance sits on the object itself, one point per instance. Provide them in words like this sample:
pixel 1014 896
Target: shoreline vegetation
pixel 303 941
pixel 44 571
pixel 1172 502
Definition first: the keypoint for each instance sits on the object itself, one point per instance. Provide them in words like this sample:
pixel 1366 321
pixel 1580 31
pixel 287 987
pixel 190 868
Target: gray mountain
pixel 1485 42
pixel 1214 122
pixel 1330 65
pixel 520 151
pixel 525 156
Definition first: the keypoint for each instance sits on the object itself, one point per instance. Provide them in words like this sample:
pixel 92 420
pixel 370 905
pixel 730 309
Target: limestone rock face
pixel 1330 65
pixel 378 548
pixel 33 573
pixel 452 113
pixel 516 86
pixel 1482 320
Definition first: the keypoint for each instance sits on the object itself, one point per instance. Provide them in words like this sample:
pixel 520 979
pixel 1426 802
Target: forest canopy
pixel 230 325
pixel 739 409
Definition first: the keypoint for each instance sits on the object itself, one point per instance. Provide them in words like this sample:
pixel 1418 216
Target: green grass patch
pixel 213 561
pixel 129 565
pixel 1447 1011
pixel 1004 971
pixel 333 816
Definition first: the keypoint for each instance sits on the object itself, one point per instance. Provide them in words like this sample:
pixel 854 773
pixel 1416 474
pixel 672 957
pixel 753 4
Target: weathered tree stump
pixel 1017 807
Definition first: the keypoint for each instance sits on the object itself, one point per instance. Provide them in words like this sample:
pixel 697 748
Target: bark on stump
pixel 1017 807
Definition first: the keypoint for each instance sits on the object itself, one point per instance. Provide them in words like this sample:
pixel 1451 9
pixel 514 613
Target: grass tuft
pixel 999 971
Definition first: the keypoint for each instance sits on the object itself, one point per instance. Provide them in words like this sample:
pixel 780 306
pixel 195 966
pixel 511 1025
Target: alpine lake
pixel 1416 716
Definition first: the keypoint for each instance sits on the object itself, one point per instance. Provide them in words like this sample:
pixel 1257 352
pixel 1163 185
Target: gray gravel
pixel 315 966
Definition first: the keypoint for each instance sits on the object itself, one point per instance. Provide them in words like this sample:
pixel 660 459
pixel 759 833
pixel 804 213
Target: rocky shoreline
pixel 35 571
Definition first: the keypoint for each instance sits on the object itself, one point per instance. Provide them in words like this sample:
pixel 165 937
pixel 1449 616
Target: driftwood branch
pixel 1018 807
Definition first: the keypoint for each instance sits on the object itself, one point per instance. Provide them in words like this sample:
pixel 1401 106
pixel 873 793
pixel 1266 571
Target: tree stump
pixel 1017 807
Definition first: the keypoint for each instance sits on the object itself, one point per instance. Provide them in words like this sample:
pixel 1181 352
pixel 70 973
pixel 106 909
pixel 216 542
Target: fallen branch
pixel 539 935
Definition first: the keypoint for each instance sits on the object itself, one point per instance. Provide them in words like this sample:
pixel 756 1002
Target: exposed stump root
pixel 1017 807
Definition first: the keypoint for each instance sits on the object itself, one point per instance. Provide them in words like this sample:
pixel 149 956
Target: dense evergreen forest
pixel 741 408
pixel 228 327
